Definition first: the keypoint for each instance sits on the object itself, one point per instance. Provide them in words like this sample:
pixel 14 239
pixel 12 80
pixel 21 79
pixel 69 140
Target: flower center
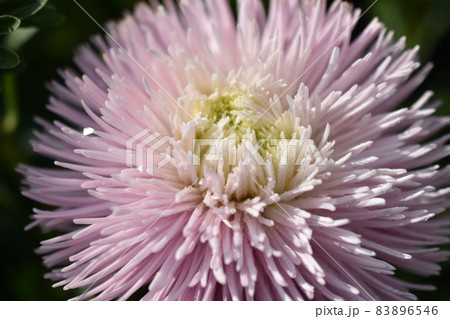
pixel 237 152
pixel 225 112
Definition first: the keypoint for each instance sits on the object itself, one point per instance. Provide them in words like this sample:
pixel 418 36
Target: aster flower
pixel 268 158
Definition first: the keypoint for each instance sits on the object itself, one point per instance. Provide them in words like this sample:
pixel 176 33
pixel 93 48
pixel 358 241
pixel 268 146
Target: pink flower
pixel 268 158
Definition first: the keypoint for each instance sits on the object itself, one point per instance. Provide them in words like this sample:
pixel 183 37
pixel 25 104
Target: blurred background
pixel 45 41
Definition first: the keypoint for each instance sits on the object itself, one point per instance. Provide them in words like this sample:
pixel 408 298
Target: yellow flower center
pixel 232 139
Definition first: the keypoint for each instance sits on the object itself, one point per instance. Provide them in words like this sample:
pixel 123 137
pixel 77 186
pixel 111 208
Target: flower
pixel 268 158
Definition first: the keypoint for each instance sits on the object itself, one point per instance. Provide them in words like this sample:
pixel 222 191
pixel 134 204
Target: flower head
pixel 266 158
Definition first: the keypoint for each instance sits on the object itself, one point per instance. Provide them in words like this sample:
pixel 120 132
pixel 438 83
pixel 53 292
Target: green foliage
pixel 27 9
pixel 22 20
pixel 48 16
pixel 8 24
pixel 8 58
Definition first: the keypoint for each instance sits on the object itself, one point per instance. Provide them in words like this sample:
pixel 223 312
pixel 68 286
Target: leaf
pixel 17 39
pixel 8 24
pixel 8 58
pixel 46 17
pixel 29 9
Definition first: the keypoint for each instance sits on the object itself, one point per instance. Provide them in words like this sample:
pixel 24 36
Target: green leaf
pixel 29 9
pixel 8 24
pixel 8 58
pixel 46 17
pixel 17 39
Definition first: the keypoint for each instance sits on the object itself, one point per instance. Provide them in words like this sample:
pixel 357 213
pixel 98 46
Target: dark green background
pixel 424 22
